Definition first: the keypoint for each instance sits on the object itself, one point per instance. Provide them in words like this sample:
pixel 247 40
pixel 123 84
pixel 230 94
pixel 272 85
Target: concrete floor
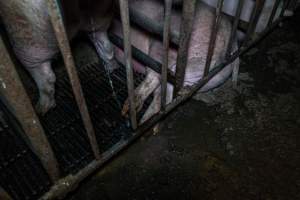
pixel 242 146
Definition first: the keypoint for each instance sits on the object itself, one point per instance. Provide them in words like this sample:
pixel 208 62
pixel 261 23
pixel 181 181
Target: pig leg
pixel 45 79
pixel 144 90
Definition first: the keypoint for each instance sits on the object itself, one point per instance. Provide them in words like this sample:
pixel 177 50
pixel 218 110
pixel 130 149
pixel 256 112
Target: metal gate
pixel 35 167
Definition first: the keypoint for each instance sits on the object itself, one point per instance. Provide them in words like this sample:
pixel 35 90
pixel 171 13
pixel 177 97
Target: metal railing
pixel 14 92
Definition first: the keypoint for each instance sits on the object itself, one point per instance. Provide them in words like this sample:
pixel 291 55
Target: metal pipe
pixel 186 28
pixel 213 37
pixel 166 45
pixel 259 5
pixel 70 182
pixel 141 20
pixel 124 10
pixel 234 30
pixel 273 13
pixel 63 42
pixel 15 95
pixel 141 57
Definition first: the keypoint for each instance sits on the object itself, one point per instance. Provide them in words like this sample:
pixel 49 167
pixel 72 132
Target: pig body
pixel 197 53
pixel 34 43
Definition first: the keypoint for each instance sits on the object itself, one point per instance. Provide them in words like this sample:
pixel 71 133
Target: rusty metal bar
pixel 14 93
pixel 63 42
pixel 213 37
pixel 259 5
pixel 234 30
pixel 186 28
pixel 4 195
pixel 124 10
pixel 70 182
pixel 141 57
pixel 166 45
pixel 273 13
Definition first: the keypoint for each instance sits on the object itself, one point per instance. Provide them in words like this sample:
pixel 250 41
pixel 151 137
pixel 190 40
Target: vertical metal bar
pixel 259 5
pixel 63 42
pixel 234 27
pixel 186 28
pixel 14 93
pixel 284 7
pixel 124 10
pixel 166 44
pixel 273 13
pixel 213 37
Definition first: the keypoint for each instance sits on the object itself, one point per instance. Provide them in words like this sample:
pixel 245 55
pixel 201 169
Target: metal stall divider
pixel 63 42
pixel 213 37
pixel 14 92
pixel 184 40
pixel 124 10
pixel 24 111
pixel 166 44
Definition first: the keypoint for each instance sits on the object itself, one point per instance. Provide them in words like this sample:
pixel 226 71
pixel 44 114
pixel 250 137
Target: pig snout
pixel 34 43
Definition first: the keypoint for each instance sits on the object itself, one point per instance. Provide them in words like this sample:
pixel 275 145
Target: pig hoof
pixel 111 65
pixel 207 98
pixel 43 106
pixel 126 107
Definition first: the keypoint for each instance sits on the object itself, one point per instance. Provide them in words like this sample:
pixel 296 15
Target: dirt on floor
pixel 245 145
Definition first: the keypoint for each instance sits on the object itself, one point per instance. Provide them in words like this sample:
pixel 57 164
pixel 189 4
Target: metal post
pixel 234 27
pixel 166 44
pixel 186 28
pixel 259 5
pixel 213 37
pixel 63 42
pixel 273 13
pixel 14 93
pixel 124 10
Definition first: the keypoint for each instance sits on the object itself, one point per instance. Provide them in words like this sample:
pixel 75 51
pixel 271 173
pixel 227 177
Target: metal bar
pixel 273 13
pixel 259 5
pixel 213 37
pixel 70 182
pixel 4 195
pixel 166 45
pixel 141 20
pixel 284 7
pixel 186 28
pixel 124 10
pixel 14 93
pixel 234 27
pixel 141 57
pixel 63 42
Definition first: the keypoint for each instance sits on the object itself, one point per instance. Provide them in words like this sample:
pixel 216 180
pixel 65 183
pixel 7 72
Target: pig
pixel 33 40
pixel 197 53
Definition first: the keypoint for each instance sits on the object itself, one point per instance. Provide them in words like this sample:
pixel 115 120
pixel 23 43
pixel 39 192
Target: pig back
pixel 28 24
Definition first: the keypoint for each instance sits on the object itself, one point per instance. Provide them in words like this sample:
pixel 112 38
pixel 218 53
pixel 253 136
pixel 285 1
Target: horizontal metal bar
pixel 166 44
pixel 124 10
pixel 186 28
pixel 141 57
pixel 152 26
pixel 63 42
pixel 14 93
pixel 213 36
pixel 70 182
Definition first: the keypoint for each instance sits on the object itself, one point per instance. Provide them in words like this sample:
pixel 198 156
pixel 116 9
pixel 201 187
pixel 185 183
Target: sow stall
pixel 47 156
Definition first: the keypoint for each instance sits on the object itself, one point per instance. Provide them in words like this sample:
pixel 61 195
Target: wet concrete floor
pixel 242 144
